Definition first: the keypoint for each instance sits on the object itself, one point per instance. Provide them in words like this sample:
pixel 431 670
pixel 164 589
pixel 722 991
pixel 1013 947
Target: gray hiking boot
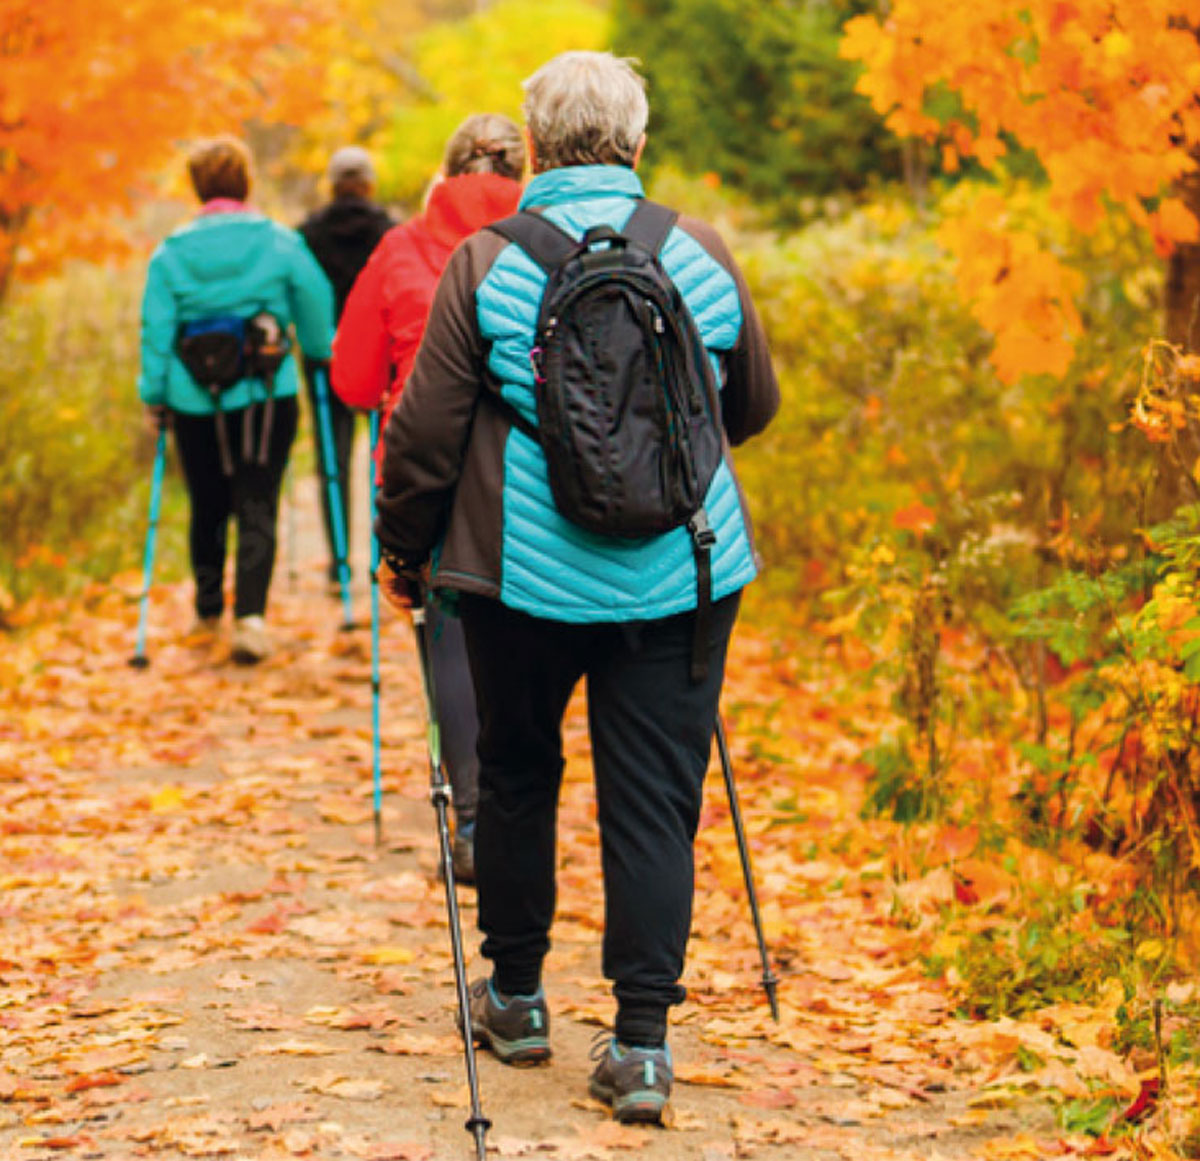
pixel 636 1082
pixel 516 1029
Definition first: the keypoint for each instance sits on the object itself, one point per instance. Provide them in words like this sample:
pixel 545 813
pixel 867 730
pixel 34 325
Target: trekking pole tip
pixel 139 661
pixel 770 986
pixel 478 1127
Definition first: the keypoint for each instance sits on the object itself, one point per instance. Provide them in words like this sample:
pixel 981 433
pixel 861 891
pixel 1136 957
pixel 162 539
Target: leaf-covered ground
pixel 203 953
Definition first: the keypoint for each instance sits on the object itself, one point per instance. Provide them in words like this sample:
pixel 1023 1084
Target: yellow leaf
pixel 946 945
pixel 1117 45
pixel 388 955
pixel 1150 949
pixel 167 799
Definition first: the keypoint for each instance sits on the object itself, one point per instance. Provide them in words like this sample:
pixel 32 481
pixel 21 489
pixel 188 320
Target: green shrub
pixel 757 94
pixel 75 452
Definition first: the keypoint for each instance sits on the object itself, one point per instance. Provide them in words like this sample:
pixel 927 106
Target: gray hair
pixel 585 108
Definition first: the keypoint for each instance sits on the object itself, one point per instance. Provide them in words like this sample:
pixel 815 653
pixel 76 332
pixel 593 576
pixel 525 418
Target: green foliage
pixel 1093 1117
pixel 477 65
pixel 1059 939
pixel 757 94
pixel 895 788
pixel 74 451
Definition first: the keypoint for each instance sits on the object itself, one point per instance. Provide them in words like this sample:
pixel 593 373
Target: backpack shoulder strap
pixel 650 225
pixel 547 244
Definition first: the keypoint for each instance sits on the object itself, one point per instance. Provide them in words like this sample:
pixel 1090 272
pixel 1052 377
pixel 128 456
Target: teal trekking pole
pixel 337 516
pixel 376 769
pixel 140 660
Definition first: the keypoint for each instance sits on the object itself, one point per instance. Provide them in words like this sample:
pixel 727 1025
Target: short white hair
pixel 585 108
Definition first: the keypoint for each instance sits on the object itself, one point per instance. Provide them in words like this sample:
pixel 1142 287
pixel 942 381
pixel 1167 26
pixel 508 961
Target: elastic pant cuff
pixel 516 981
pixel 641 1026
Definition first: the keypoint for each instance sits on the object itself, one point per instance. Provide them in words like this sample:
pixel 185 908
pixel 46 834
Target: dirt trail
pixel 203 954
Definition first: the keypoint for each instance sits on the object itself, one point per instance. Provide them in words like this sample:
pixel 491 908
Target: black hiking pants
pixel 250 496
pixel 341 423
pixel 651 732
pixel 454 698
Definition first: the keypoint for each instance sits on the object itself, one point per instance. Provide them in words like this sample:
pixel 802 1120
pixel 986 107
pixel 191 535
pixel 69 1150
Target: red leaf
pixel 915 518
pixel 1145 1103
pixel 95 1080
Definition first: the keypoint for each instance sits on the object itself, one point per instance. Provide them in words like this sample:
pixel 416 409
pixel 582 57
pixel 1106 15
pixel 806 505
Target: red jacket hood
pixel 458 206
pixel 381 327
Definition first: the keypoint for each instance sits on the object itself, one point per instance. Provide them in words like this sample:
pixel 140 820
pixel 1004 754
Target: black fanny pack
pixel 221 351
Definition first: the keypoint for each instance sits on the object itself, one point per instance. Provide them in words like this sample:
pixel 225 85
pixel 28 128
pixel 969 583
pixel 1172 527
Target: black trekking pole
pixel 139 660
pixel 769 980
pixel 439 793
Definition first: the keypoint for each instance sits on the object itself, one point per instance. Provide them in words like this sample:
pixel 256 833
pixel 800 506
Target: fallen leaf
pixel 295 1047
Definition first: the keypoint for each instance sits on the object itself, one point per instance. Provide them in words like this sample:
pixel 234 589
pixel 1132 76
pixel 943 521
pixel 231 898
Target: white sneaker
pixel 251 643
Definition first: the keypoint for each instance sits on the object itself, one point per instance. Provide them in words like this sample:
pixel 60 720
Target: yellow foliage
pixel 1019 290
pixel 1101 90
pixel 476 66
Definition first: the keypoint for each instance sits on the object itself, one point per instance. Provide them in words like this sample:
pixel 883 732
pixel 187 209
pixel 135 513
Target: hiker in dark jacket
pixel 342 235
pixel 466 499
pixel 373 354
pixel 231 263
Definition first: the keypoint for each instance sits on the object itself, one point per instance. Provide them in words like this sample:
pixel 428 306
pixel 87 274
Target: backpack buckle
pixel 703 537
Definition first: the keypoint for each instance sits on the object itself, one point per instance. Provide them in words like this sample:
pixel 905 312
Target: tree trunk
pixel 1178 459
pixel 11 226
pixel 1183 280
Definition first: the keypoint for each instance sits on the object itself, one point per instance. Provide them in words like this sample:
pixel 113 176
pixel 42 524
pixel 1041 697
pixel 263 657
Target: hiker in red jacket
pixel 373 352
pixel 384 317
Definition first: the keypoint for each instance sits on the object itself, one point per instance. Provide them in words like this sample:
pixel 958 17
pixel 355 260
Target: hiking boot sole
pixel 635 1108
pixel 527 1053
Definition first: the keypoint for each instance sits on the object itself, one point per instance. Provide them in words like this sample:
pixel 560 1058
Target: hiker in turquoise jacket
pixel 544 602
pixel 231 264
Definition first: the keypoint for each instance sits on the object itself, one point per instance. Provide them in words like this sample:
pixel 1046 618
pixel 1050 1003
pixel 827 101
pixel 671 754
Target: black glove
pixel 402 583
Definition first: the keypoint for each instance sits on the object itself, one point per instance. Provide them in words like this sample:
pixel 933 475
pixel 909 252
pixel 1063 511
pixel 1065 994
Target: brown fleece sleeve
pixel 750 397
pixel 426 438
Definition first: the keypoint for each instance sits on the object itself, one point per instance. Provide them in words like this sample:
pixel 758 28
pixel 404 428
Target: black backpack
pixel 627 408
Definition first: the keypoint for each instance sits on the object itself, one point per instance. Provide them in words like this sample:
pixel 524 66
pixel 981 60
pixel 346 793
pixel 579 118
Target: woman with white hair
pixel 545 602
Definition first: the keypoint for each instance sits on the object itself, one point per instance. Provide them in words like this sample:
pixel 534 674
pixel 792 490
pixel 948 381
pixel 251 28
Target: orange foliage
pixel 1103 91
pixel 95 99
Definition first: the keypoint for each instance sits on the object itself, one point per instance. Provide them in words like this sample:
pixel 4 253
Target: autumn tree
pixel 94 101
pixel 1101 93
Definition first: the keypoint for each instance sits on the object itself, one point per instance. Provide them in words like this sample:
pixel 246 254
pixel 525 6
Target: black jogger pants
pixel 651 731
pixel 250 496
